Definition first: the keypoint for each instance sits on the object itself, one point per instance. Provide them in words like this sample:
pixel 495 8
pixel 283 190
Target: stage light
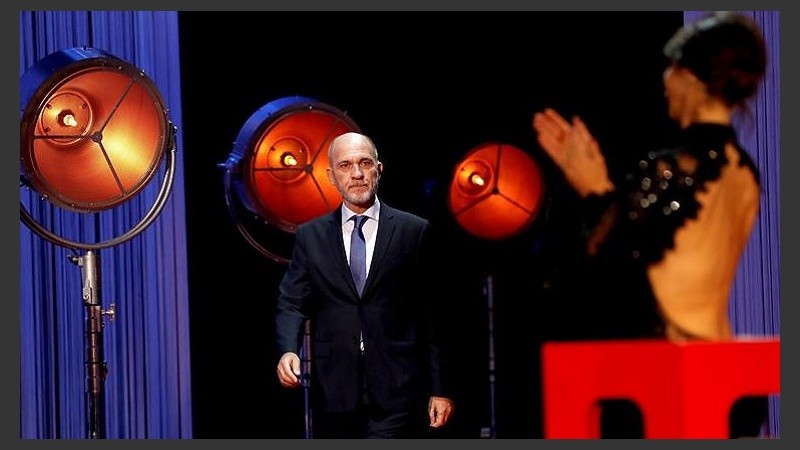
pixel 93 129
pixel 496 191
pixel 93 133
pixel 277 168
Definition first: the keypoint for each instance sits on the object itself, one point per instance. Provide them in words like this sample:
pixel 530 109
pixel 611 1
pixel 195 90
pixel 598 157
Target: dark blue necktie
pixel 358 253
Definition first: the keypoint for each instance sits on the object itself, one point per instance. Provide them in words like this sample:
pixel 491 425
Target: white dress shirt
pixel 370 229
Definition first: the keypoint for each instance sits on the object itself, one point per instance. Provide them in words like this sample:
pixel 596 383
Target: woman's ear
pixel 688 77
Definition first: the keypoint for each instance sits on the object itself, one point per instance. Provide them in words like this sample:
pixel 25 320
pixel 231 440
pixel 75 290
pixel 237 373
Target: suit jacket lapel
pixel 386 228
pixel 337 249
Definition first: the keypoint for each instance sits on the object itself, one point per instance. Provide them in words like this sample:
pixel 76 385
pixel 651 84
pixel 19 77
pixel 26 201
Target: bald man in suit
pixel 378 369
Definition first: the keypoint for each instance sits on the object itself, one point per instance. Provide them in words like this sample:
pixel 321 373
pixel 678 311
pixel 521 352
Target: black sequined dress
pixel 633 225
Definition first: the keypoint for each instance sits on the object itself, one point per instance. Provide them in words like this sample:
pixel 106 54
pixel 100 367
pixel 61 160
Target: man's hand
pixel 289 370
pixel 439 410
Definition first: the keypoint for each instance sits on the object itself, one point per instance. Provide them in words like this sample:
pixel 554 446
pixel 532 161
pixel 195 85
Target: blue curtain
pixel 146 347
pixel 755 297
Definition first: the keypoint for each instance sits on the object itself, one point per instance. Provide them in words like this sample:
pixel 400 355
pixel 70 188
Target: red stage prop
pixel 684 390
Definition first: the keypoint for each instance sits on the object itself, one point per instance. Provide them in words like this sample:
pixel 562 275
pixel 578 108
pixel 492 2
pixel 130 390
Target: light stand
pixel 93 132
pixel 275 176
pixel 494 207
pixel 488 291
pixel 305 379
pixel 95 365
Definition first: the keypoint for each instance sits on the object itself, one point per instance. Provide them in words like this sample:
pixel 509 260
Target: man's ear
pixel 379 166
pixel 329 172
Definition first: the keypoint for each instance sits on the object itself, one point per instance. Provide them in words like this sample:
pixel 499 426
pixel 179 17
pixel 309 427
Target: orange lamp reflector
pixel 93 129
pixel 496 191
pixel 283 156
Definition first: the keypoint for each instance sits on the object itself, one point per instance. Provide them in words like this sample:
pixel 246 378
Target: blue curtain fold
pixel 146 347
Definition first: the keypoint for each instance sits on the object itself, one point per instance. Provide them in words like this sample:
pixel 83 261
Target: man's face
pixel 355 172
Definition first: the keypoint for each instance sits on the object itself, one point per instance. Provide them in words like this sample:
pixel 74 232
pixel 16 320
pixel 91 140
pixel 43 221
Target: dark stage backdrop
pixel 427 87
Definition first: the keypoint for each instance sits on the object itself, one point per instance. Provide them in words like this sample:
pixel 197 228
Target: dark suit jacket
pixel 403 355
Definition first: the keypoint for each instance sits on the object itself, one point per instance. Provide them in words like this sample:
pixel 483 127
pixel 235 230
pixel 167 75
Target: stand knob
pixel 111 312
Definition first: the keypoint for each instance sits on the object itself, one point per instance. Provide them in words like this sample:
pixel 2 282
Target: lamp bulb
pixel 476 179
pixel 67 119
pixel 288 159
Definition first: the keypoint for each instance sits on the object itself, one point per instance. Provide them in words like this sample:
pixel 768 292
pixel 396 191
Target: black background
pixel 427 87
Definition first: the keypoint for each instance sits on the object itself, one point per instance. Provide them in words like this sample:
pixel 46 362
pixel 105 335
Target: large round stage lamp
pixel 94 131
pixel 277 168
pixel 496 191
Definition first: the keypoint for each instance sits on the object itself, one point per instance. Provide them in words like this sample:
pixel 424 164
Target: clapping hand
pixel 574 150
